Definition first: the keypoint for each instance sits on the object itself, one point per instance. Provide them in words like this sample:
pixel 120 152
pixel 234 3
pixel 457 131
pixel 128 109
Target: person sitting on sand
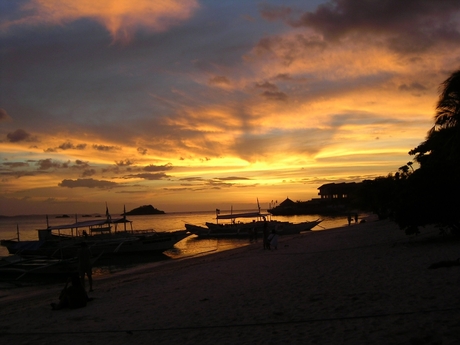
pixel 84 265
pixel 73 296
pixel 272 240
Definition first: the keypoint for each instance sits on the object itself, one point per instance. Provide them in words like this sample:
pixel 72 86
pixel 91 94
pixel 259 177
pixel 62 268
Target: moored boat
pixel 15 267
pixel 102 237
pixel 239 229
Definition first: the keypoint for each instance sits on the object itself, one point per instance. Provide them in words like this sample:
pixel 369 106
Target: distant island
pixel 144 210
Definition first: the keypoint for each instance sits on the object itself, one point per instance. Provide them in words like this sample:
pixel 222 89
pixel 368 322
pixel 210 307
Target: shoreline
pixel 367 283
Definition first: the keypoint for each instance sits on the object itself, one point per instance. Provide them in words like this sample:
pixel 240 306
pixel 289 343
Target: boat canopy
pixel 242 215
pixel 89 223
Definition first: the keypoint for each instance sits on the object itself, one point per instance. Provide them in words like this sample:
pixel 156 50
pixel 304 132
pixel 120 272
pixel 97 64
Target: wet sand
pixel 364 284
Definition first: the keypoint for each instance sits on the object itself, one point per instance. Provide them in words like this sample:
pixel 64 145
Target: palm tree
pixel 431 194
pixel 443 140
pixel 448 108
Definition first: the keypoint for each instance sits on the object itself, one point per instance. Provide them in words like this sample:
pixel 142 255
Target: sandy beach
pixel 363 284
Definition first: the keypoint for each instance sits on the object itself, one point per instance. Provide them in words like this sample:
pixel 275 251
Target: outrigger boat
pixel 15 267
pixel 63 241
pixel 246 229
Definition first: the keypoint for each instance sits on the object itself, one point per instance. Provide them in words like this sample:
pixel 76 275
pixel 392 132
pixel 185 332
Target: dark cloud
pixel 406 26
pixel 87 183
pixel 231 178
pixel 180 189
pixel 192 179
pixel 16 164
pixel 218 183
pixel 79 164
pixel 148 176
pixel 124 163
pixel 142 150
pixel 45 164
pixel 50 150
pixel 275 96
pixel 412 87
pixel 284 77
pixel 4 115
pixel 105 148
pixel 88 172
pixel 151 168
pixel 17 174
pixel 18 136
pixel 68 146
pixel 267 86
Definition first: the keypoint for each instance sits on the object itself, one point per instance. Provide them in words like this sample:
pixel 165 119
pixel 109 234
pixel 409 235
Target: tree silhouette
pixel 442 143
pixel 430 194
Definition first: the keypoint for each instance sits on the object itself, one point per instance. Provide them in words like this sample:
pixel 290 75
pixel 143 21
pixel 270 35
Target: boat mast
pixel 76 228
pixel 107 215
pixel 124 217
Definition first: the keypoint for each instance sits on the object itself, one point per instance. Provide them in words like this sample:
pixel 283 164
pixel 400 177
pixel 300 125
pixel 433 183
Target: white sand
pixel 363 284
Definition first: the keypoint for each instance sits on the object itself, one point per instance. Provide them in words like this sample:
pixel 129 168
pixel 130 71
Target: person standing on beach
pixel 252 231
pixel 266 246
pixel 84 265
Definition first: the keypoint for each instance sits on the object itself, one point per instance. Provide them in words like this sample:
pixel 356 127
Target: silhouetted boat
pixel 15 267
pixel 63 241
pixel 246 229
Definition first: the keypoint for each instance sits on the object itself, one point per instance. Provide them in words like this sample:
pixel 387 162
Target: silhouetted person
pixel 266 234
pixel 356 218
pixel 252 231
pixel 73 296
pixel 85 266
pixel 349 219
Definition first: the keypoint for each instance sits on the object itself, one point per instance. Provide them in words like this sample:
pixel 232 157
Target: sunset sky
pixel 193 105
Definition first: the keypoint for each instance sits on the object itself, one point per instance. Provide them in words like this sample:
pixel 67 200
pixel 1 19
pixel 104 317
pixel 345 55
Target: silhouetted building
pixel 334 199
pixel 337 190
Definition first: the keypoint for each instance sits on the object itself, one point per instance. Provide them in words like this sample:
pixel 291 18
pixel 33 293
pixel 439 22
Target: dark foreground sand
pixel 364 284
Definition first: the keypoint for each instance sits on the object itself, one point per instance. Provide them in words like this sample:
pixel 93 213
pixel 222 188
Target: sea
pixel 26 228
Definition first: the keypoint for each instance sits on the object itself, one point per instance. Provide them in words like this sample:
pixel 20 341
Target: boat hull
pixel 245 230
pixel 17 267
pixel 109 244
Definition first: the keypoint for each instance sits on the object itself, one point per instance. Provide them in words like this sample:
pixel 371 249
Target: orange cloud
pixel 120 17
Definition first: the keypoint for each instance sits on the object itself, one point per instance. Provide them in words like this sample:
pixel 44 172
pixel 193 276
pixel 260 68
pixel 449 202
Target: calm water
pixel 27 226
